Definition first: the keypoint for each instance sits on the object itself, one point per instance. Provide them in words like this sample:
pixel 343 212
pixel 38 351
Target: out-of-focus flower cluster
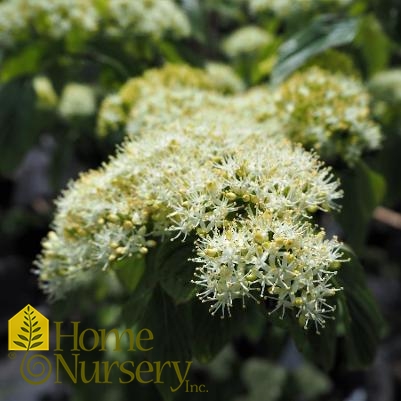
pixel 329 112
pixel 247 40
pixel 386 90
pixel 46 95
pixel 77 100
pixel 213 173
pixel 325 111
pixel 168 94
pixel 386 85
pixel 284 8
pixel 56 19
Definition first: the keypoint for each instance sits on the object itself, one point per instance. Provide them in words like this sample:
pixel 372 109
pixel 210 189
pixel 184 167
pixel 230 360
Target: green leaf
pixel 211 333
pixel 175 271
pixel 388 162
pixel 322 33
pixel 27 61
pixel 374 44
pixel 171 327
pixel 129 271
pixel 18 127
pixel 134 308
pixel 20 344
pixel 363 189
pixel 36 344
pixel 319 348
pixel 364 324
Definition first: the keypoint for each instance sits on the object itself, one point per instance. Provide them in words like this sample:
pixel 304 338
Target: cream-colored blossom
pixel 285 8
pixel 319 109
pixel 56 19
pixel 224 78
pixel 328 112
pixel 386 85
pixel 247 40
pixel 178 182
pixel 146 17
pixel 45 93
pixel 174 92
pixel 77 100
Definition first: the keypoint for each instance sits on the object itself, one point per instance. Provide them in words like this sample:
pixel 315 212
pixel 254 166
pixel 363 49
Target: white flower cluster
pixel 322 110
pixel 53 19
pixel 246 40
pixel 146 17
pixel 247 198
pixel 386 85
pixel 57 18
pixel 283 8
pixel 169 94
pixel 46 95
pixel 329 112
pixel 77 100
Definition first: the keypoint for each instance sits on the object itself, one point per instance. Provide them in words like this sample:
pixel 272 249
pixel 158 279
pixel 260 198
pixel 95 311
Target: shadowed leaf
pixel 35 330
pixel 20 344
pixel 323 33
pixel 22 337
pixel 36 344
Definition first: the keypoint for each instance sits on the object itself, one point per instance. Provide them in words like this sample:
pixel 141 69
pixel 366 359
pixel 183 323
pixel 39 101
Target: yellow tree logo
pixel 28 330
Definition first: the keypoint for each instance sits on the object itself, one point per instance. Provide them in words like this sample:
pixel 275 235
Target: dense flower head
pixel 247 40
pixel 224 78
pixel 46 96
pixel 285 8
pixel 386 85
pixel 57 19
pixel 329 112
pixel 77 100
pixel 166 94
pixel 319 109
pixel 53 19
pixel 385 88
pixel 146 17
pixel 247 198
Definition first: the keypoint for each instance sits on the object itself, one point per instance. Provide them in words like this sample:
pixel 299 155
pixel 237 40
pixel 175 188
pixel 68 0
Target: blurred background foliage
pixel 60 59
